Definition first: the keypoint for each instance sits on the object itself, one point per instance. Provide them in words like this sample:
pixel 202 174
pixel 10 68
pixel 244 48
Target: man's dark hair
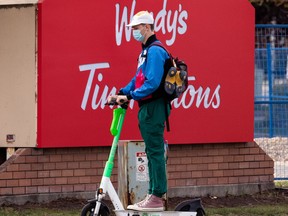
pixel 151 26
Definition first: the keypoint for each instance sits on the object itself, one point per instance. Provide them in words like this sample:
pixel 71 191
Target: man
pixel 146 87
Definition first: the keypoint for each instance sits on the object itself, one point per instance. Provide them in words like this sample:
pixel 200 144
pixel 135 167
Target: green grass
pixel 281 184
pixel 267 210
pixel 8 211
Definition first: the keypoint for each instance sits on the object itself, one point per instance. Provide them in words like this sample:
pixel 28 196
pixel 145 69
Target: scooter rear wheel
pixel 88 210
pixel 193 205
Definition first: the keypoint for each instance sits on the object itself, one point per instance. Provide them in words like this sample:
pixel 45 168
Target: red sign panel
pixel 86 52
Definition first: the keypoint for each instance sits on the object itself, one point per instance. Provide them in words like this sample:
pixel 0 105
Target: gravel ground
pixel 276 148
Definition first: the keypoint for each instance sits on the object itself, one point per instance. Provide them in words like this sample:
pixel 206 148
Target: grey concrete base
pixel 44 198
pixel 219 190
pixel 189 192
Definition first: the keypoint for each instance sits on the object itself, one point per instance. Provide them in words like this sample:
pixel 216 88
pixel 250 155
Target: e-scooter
pixel 96 207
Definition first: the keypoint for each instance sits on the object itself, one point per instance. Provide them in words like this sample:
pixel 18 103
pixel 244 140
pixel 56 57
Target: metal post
pixel 270 83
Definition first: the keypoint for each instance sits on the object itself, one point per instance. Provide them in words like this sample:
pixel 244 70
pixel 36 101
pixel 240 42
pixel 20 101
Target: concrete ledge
pixel 44 198
pixel 18 2
pixel 191 192
pixel 219 190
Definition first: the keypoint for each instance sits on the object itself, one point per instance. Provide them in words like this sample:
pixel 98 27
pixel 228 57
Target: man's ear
pixel 148 27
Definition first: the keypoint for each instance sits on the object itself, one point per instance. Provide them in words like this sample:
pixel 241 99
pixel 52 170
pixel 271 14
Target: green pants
pixel 152 118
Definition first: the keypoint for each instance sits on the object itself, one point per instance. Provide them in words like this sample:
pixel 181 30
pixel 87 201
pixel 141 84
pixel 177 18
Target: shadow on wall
pixel 2 155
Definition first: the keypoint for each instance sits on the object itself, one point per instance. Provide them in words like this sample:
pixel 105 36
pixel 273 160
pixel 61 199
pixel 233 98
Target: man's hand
pixel 112 99
pixel 121 99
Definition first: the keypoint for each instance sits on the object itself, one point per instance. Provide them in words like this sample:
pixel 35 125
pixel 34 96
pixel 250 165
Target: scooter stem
pixel 115 129
pixel 106 185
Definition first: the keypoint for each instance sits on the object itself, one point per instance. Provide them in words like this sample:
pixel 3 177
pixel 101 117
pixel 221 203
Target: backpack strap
pixel 166 114
pixel 159 44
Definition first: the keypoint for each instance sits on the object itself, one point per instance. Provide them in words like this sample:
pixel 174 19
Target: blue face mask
pixel 138 36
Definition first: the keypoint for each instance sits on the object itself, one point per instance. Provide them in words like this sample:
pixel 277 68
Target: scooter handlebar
pixel 113 102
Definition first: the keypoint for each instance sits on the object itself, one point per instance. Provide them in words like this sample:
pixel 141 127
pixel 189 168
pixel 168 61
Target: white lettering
pixel 92 68
pixel 173 21
pixel 181 19
pixel 199 97
pixel 98 99
pixel 188 97
pixel 124 21
pixel 159 22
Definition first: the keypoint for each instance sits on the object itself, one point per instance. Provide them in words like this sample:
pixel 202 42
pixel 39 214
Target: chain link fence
pixel 271 94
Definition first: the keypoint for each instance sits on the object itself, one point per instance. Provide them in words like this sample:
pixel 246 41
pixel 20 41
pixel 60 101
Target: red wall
pixel 85 52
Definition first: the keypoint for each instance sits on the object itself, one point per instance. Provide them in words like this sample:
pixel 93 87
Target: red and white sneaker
pixel 150 203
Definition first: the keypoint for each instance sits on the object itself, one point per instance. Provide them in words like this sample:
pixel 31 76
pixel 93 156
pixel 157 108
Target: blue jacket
pixel 149 72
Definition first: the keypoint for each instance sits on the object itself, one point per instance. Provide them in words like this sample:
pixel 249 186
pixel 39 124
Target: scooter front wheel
pixel 88 210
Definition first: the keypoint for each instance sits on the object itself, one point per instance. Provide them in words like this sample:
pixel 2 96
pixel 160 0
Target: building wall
pixel 18 85
pixel 193 170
